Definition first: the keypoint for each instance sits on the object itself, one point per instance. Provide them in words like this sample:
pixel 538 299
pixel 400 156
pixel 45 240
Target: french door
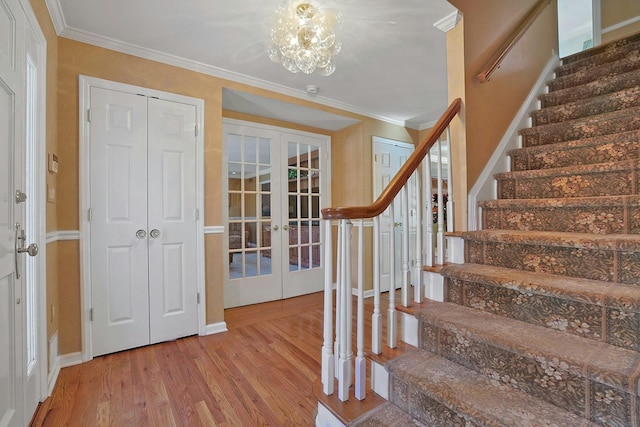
pixel 277 183
pixel 143 220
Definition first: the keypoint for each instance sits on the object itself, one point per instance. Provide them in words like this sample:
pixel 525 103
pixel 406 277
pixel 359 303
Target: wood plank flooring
pixel 259 373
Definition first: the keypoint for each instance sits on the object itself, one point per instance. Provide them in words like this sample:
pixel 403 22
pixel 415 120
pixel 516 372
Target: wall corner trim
pixel 216 328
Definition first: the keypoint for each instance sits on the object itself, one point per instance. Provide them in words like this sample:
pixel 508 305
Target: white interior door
pixel 143 225
pixel 119 245
pixel 253 215
pixel 172 220
pixel 11 179
pixel 277 183
pixel 388 157
pixel 306 160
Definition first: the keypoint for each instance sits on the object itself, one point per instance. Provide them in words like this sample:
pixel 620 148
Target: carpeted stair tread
pixel 606 364
pixel 593 309
pixel 609 102
pixel 454 395
pixel 597 50
pixel 625 242
pixel 386 415
pixel 597 215
pixel 598 87
pixel 596 60
pixel 629 63
pixel 599 149
pixel 585 127
pixel 590 180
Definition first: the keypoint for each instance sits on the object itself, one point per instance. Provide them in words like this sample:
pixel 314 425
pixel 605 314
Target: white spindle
pixel 343 363
pixel 418 292
pixel 428 194
pixel 450 210
pixel 361 363
pixel 392 334
pixel 376 317
pixel 441 230
pixel 339 300
pixel 327 350
pixel 404 200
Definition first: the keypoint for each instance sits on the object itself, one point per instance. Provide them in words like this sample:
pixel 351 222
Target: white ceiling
pixel 392 65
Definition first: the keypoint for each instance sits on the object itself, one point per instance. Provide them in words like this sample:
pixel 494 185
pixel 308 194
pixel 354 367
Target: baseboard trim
pixel 216 328
pixel 60 362
pixel 70 359
pixel 52 378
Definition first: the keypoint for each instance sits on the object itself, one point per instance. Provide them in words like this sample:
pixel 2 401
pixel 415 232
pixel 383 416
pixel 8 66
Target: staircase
pixel 541 325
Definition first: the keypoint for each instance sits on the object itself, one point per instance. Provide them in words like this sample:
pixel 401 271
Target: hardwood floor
pixel 259 373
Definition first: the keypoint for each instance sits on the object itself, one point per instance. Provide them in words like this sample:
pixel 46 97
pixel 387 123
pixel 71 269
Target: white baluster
pixel 404 200
pixel 441 225
pixel 428 194
pixel 376 317
pixel 339 299
pixel 450 207
pixel 418 289
pixel 344 371
pixel 392 333
pixel 361 363
pixel 328 366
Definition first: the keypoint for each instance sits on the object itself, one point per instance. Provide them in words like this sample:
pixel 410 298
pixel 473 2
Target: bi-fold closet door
pixel 143 220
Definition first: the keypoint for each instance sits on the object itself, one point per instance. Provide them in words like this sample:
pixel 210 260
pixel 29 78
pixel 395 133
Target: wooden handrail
pixel 402 176
pixel 496 59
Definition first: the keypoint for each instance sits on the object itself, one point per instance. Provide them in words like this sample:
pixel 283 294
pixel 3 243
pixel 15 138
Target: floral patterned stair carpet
pixel 541 326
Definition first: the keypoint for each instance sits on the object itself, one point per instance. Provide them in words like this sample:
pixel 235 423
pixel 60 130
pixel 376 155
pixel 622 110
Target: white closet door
pixel 11 179
pixel 119 272
pixel 172 220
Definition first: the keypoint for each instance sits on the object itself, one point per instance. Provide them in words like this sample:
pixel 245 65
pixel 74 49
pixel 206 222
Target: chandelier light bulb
pixel 304 38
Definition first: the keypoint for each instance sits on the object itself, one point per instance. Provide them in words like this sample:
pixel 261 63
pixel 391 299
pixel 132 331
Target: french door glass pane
pixel 249 206
pixel 303 207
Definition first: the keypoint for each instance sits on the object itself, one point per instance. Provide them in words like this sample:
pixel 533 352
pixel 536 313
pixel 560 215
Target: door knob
pixel 141 234
pixel 397 224
pixel 275 228
pixel 32 250
pixel 285 227
pixel 155 233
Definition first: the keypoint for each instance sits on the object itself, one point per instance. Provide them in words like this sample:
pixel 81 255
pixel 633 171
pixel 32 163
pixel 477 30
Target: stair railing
pixel 495 61
pixel 428 249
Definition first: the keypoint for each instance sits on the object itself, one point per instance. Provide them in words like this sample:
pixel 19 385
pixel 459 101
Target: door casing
pixel 85 85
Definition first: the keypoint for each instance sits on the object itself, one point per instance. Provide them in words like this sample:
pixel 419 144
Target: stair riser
pixel 598 60
pixel 613 325
pixel 595 264
pixel 591 183
pixel 580 129
pixel 597 88
pixel 608 148
pixel 613 102
pixel 603 49
pixel 421 407
pixel 582 219
pixel 542 376
pixel 629 63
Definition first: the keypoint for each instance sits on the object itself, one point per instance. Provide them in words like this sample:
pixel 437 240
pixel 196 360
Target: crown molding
pixel 131 49
pixel 448 22
pixel 57 17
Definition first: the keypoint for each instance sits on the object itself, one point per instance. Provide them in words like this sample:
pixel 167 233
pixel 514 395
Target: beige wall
pixel 67 60
pixel 614 12
pixel 490 107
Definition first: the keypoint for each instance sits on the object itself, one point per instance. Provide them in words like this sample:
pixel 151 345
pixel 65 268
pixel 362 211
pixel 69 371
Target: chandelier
pixel 304 38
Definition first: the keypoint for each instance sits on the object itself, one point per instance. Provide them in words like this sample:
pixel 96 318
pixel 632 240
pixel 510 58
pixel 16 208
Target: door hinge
pixel 197 214
pixel 89 115
pixel 91 314
pixel 196 129
pixel 375 157
pixel 198 297
pixel 89 214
